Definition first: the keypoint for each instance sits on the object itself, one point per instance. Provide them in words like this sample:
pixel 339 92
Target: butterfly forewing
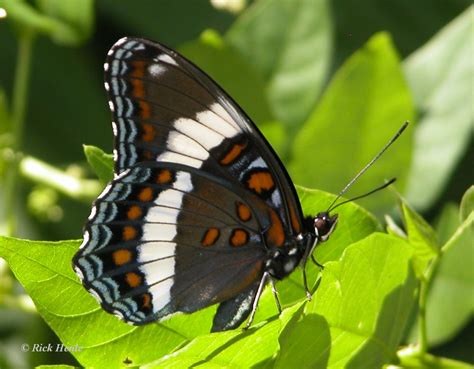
pixel 167 109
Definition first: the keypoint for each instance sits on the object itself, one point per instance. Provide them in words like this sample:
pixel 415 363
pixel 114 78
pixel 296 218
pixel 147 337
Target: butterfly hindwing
pixel 165 238
pixel 232 312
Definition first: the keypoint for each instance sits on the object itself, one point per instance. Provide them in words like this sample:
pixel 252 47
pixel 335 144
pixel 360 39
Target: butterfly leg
pixel 305 279
pixel 261 286
pixel 275 294
pixel 305 282
pixel 309 252
pixel 314 261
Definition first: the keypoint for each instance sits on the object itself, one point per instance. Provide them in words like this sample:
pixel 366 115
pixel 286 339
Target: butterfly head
pixel 324 225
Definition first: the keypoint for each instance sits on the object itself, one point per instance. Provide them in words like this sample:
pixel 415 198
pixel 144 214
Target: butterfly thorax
pixel 283 260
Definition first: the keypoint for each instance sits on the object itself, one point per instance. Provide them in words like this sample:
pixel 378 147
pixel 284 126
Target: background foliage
pixel 328 82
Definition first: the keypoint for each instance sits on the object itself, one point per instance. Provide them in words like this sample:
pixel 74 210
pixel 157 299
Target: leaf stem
pixel 17 119
pixel 422 301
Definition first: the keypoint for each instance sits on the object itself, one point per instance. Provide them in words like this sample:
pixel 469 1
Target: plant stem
pixel 424 289
pixel 20 89
pixel 422 347
pixel 17 119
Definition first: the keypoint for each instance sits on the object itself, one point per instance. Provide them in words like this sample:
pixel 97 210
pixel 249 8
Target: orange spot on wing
pixel 232 154
pixel 146 194
pixel 146 301
pixel 148 132
pixel 210 237
pixel 121 257
pixel 275 234
pixel 137 73
pixel 138 88
pixel 134 212
pixel 145 109
pixel 164 176
pixel 260 181
pixel 129 233
pixel 243 211
pixel 138 69
pixel 239 237
pixel 133 279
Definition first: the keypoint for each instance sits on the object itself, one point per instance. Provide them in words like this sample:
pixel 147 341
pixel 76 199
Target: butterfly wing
pixel 233 312
pixel 165 238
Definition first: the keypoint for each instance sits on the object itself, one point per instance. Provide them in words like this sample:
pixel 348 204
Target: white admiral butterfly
pixel 201 210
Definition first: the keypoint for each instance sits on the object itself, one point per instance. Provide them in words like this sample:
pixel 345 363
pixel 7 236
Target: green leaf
pixel 59 366
pixel 290 44
pixel 66 22
pixel 101 162
pixel 421 237
pixel 447 223
pixel 451 301
pixel 239 349
pixel 440 76
pixel 360 309
pixel 365 104
pixel 44 269
pixel 410 23
pixel 467 203
pixel 313 353
pixel 236 75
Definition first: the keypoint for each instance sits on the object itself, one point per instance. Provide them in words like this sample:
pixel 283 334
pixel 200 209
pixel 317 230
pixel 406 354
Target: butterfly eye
pixel 324 224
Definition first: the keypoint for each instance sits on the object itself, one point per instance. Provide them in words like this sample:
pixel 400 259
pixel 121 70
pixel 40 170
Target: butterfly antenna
pixel 368 165
pixel 386 184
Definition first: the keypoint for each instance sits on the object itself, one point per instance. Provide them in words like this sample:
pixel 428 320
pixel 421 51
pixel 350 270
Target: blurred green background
pixel 292 67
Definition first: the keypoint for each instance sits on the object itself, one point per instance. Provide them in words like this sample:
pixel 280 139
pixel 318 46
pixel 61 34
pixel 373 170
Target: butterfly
pixel 201 211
